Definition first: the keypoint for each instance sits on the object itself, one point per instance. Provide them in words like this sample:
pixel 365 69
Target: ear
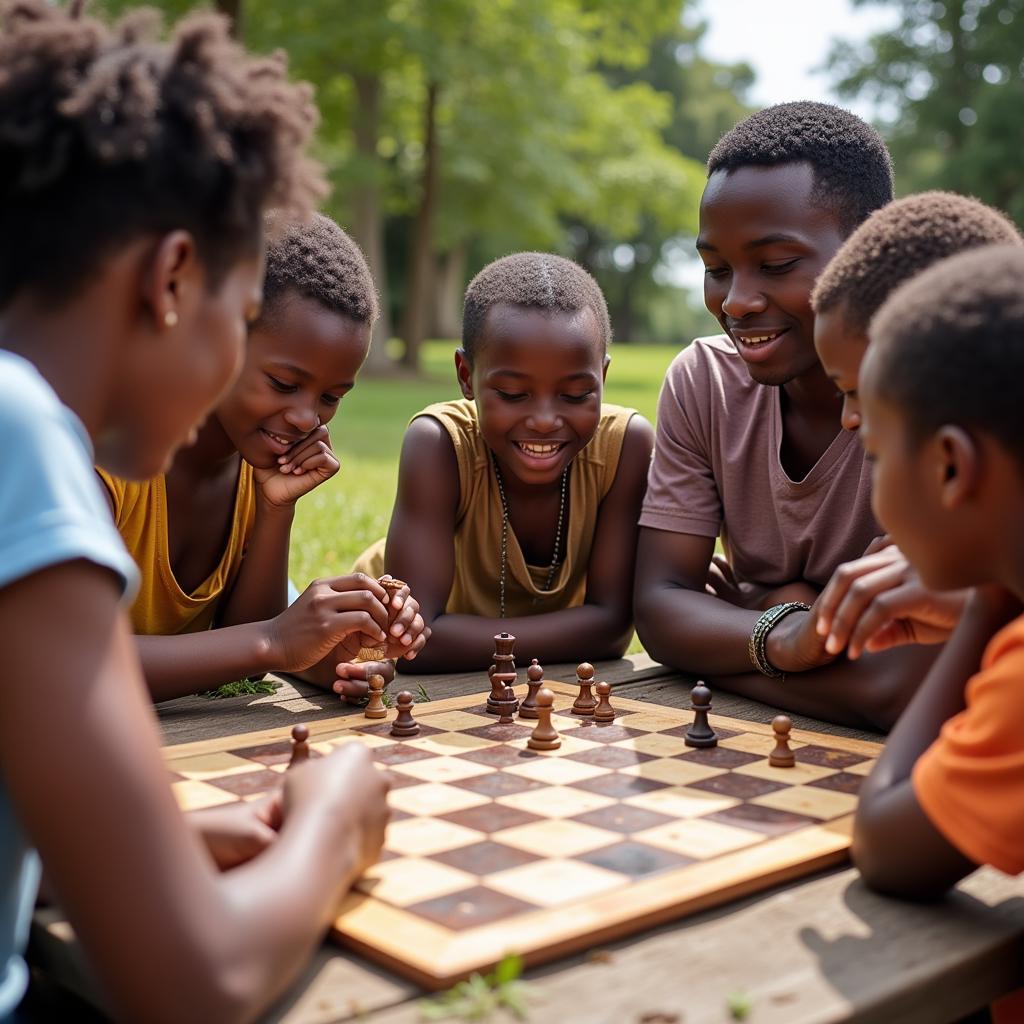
pixel 604 368
pixel 958 466
pixel 464 372
pixel 174 273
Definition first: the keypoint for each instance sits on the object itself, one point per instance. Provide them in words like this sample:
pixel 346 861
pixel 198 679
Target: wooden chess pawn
pixel 535 680
pixel 700 734
pixel 300 745
pixel 781 756
pixel 585 702
pixel 604 712
pixel 375 708
pixel 404 724
pixel 544 736
pixel 508 707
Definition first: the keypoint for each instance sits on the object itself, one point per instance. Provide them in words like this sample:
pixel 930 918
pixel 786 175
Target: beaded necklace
pixel 504 535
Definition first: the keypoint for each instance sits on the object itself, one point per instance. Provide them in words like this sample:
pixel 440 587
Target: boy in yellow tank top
pixel 517 505
pixel 211 535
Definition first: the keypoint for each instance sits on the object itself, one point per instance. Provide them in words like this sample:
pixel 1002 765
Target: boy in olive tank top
pixel 517 506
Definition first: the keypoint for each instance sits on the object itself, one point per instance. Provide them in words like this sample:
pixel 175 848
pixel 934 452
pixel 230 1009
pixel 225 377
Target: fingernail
pixel 396 629
pixel 821 627
pixel 832 645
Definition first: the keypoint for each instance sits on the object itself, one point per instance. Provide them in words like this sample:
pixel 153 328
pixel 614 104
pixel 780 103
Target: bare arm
pixel 121 857
pixel 421 551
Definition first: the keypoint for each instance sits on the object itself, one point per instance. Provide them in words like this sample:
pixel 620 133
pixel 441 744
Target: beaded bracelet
pixel 759 637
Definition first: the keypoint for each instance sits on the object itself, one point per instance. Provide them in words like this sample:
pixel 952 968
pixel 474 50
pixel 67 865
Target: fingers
pixel 316 443
pixel 888 620
pixel 862 597
pixel 358 581
pixel 362 670
pixel 351 689
pixel 848 574
pixel 879 544
pixel 723 566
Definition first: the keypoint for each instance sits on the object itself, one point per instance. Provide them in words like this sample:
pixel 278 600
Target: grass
pixel 338 520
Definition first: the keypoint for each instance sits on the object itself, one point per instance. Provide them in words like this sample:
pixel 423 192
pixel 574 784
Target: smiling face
pixel 841 351
pixel 537 380
pixel 764 240
pixel 300 363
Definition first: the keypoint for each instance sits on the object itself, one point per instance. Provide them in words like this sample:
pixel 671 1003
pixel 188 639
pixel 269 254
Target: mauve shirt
pixel 716 471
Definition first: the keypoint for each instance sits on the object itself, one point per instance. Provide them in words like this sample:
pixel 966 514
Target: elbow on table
pixel 886 869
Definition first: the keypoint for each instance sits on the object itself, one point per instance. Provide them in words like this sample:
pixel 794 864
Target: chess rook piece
pixel 604 712
pixel 585 702
pixel 544 736
pixel 508 707
pixel 535 677
pixel 503 674
pixel 700 733
pixel 300 745
pixel 781 756
pixel 404 724
pixel 375 708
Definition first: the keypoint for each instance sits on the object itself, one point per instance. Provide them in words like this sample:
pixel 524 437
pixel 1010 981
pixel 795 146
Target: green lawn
pixel 338 520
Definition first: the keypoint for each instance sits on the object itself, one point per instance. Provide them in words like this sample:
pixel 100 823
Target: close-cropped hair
pixel 107 134
pixel 851 163
pixel 950 346
pixel 316 259
pixel 531 280
pixel 899 241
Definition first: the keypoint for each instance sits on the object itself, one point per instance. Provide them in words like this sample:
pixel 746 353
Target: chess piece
pixel 404 724
pixel 508 707
pixel 585 702
pixel 544 736
pixel 375 708
pixel 700 734
pixel 604 712
pixel 379 653
pixel 300 745
pixel 535 677
pixel 781 756
pixel 504 673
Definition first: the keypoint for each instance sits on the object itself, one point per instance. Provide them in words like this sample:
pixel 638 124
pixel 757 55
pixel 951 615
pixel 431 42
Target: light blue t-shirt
pixel 51 511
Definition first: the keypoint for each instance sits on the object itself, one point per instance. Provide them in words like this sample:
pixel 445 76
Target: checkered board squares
pixel 495 848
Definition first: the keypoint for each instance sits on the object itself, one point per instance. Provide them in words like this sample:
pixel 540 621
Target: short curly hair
pixel 948 346
pixel 531 280
pixel 899 241
pixel 317 260
pixel 852 166
pixel 107 134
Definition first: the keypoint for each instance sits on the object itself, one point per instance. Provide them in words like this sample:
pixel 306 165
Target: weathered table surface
pixel 819 949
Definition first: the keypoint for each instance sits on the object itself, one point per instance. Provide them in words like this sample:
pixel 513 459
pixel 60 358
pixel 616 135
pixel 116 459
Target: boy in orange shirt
pixel 942 419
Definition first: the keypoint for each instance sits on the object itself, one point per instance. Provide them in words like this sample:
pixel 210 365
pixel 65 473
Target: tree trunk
pixel 367 221
pixel 450 280
pixel 233 9
pixel 417 307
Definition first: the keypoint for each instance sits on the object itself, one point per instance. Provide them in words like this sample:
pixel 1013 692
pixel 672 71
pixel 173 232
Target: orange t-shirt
pixel 970 781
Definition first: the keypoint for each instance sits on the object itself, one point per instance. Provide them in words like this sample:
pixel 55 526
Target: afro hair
pixel 531 280
pixel 949 346
pixel 852 166
pixel 899 241
pixel 317 260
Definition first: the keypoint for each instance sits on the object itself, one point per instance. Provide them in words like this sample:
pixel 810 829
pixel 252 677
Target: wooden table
pixel 819 949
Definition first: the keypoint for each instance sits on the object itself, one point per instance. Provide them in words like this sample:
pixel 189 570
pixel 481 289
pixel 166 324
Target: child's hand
pixel 794 644
pixel 407 632
pixel 235 833
pixel 307 464
pixel 352 678
pixel 347 612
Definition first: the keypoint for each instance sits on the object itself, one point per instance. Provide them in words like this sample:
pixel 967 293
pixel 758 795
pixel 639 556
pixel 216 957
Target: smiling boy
pixel 749 443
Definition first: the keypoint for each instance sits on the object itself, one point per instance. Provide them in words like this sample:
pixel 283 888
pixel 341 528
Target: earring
pixel 170 318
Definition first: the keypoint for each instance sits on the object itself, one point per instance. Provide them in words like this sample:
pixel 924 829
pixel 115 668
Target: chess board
pixel 494 848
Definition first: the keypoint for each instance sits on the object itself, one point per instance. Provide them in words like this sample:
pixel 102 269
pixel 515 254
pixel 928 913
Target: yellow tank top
pixel 162 608
pixel 475 587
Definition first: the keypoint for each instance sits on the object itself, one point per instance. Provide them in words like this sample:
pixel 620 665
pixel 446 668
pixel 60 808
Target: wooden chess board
pixel 495 849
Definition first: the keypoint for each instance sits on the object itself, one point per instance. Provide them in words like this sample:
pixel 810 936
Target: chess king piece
pixel 535 677
pixel 404 724
pixel 781 756
pixel 300 745
pixel 544 736
pixel 585 702
pixel 700 734
pixel 504 673
pixel 375 708
pixel 604 712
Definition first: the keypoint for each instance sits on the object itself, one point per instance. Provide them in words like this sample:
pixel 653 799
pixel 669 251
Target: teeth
pixel 760 338
pixel 538 449
pixel 276 437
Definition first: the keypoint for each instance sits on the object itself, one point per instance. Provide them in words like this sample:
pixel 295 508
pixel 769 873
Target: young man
pixel 749 442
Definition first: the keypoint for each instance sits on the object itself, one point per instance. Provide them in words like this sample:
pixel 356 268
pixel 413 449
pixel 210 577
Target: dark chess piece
pixel 544 736
pixel 375 708
pixel 535 677
pixel 508 707
pixel 604 712
pixel 700 734
pixel 300 745
pixel 404 724
pixel 781 756
pixel 503 674
pixel 585 702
